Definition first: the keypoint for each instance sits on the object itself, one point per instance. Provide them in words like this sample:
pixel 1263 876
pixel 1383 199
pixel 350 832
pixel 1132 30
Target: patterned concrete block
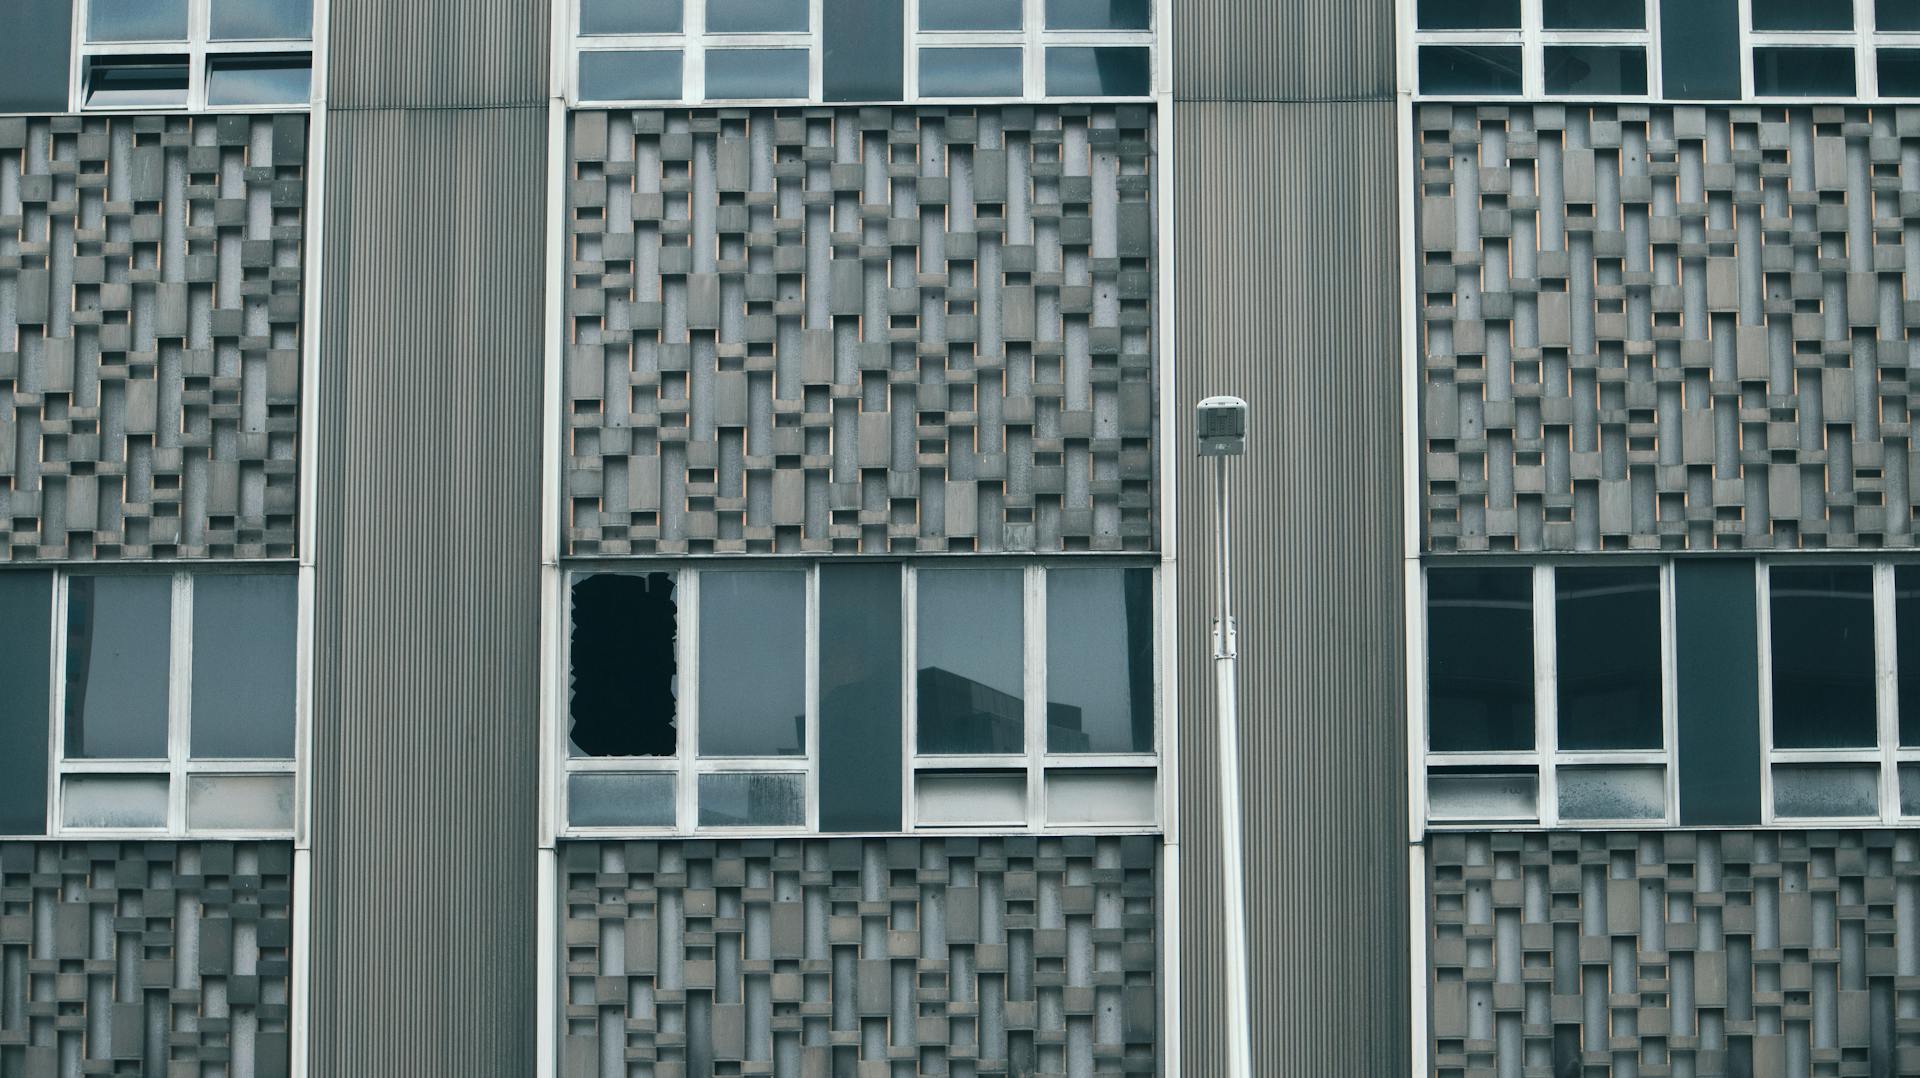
pixel 145 958
pixel 150 297
pixel 802 957
pixel 1668 327
pixel 1675 953
pixel 871 330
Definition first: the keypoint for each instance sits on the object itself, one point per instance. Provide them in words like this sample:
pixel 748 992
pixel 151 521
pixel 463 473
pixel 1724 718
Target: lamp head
pixel 1222 426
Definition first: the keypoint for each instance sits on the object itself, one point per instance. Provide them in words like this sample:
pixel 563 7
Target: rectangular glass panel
pixel 621 799
pixel 26 679
pixel 1479 659
pixel 1899 72
pixel 244 631
pixel 260 20
pixel 1099 14
pixel 1101 797
pixel 34 57
pixel 1612 793
pixel 863 57
pixel 1100 660
pixel 970 14
pixel 1910 789
pixel 629 17
pixel 1716 691
pixel 971 798
pixel 972 661
pixel 1469 14
pixel 113 801
pixel 1826 791
pixel 1469 69
pixel 1607 629
pixel 1906 614
pixel 122 82
pixel 259 80
pixel 753 661
pixel 136 20
pixel 623 666
pixel 630 75
pixel 240 802
pixel 1823 691
pixel 1080 71
pixel 1791 72
pixel 1700 55
pixel 1802 14
pixel 753 799
pixel 1486 793
pixel 1896 14
pixel 756 73
pixel 118 629
pixel 756 16
pixel 1595 69
pixel 970 72
pixel 1593 14
pixel 860 698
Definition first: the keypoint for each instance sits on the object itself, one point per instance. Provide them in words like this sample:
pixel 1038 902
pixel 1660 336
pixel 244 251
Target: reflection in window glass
pixel 1802 14
pixel 1469 14
pixel 244 628
pixel 258 80
pixel 623 666
pixel 1607 633
pixel 136 20
pixel 1896 14
pixel 260 20
pixel 1099 14
pixel 753 654
pixel 630 75
pixel 117 654
pixel 756 16
pixel 1822 651
pixel 1826 790
pixel 1100 660
pixel 756 73
pixel 969 14
pixel 1593 14
pixel 1077 71
pixel 971 661
pixel 1595 69
pixel 136 81
pixel 1469 69
pixel 1479 659
pixel 1899 72
pixel 969 72
pixel 630 16
pixel 753 799
pixel 1792 72
pixel 1906 613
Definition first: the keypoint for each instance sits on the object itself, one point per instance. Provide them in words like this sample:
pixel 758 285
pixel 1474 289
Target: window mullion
pixel 810 635
pixel 1035 683
pixel 1886 669
pixel 1763 620
pixel 1546 704
pixel 909 695
pixel 689 703
pixel 57 702
pixel 1669 693
pixel 179 699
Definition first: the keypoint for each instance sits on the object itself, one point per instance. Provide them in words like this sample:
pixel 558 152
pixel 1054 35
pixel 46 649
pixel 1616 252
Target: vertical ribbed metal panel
pixel 1287 294
pixel 434 53
pixel 1299 50
pixel 424 821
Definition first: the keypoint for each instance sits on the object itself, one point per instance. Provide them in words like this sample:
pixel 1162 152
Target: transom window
pixel 193 54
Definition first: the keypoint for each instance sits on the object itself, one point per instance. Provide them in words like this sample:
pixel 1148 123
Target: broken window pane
pixel 753 660
pixel 624 675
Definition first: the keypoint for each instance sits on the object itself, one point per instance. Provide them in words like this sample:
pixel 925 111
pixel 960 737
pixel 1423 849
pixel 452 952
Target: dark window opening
pixel 1595 69
pixel 1823 691
pixel 1607 632
pixel 624 675
pixel 1480 660
pixel 1802 15
pixel 1469 14
pixel 1470 69
pixel 1593 14
pixel 1796 72
pixel 151 81
pixel 1906 613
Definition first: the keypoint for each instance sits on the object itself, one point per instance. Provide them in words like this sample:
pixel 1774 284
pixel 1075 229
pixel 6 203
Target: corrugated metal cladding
pixel 436 53
pixel 1282 50
pixel 424 824
pixel 1286 294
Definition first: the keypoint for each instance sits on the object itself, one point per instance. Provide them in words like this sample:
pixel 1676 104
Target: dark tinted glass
pixel 649 75
pixel 243 646
pixel 1899 72
pixel 860 691
pixel 1469 14
pixel 630 16
pixel 756 16
pixel 1716 691
pixel 1099 14
pixel 969 14
pixel 971 655
pixel 34 53
pixel 260 20
pixel 1607 634
pixel 117 651
pixel 159 82
pixel 753 663
pixel 137 20
pixel 1593 14
pixel 1803 14
pixel 1595 69
pixel 754 73
pixel 258 80
pixel 1075 71
pixel 1100 660
pixel 1896 14
pixel 1822 653
pixel 1479 659
pixel 969 72
pixel 1906 612
pixel 1700 50
pixel 1789 72
pixel 26 646
pixel 623 669
pixel 863 54
pixel 1469 69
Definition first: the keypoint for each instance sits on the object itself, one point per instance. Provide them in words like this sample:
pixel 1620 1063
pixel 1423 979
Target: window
pixel 1575 48
pixel 866 697
pixel 194 54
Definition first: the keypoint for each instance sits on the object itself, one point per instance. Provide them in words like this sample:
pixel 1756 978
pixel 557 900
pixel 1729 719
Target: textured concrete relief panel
pixel 861 331
pixel 1784 953
pixel 1656 327
pixel 149 336
pixel 887 957
pixel 145 958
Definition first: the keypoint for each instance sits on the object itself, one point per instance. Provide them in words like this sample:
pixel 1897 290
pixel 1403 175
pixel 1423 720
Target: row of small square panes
pixel 1598 70
pixel 636 17
pixel 754 74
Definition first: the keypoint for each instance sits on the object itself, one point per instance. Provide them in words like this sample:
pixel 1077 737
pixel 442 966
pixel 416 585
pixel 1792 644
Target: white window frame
pixel 692 43
pixel 196 51
pixel 1533 38
pixel 178 766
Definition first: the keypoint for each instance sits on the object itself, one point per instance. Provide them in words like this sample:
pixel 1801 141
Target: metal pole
pixel 1233 885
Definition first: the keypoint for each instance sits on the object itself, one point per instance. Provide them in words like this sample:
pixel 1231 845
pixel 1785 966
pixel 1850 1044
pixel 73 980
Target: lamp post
pixel 1222 426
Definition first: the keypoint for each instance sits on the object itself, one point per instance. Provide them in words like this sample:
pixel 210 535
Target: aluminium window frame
pixel 693 42
pixel 1533 39
pixel 197 50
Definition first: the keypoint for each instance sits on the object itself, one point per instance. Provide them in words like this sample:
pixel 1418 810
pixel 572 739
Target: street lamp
pixel 1222 425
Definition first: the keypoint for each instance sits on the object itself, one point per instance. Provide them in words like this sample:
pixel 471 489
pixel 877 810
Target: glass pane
pixel 244 630
pixel 1077 71
pixel 623 666
pixel 1488 793
pixel 645 75
pixel 1099 14
pixel 756 16
pixel 117 633
pixel 970 72
pixel 1899 72
pixel 972 651
pixel 1896 14
pixel 1612 793
pixel 1823 694
pixel 755 73
pixel 1826 790
pixel 260 20
pixel 1803 14
pixel 1910 789
pixel 861 735
pixel 1100 660
pixel 620 799
pixel 1469 69
pixel 753 799
pixel 1906 613
pixel 1607 628
pixel 1596 69
pixel 1593 14
pixel 753 658
pixel 1700 60
pixel 1789 72
pixel 26 682
pixel 630 16
pixel 969 14
pixel 1101 797
pixel 240 802
pixel 862 54
pixel 1469 14
pixel 259 80
pixel 137 80
pixel 1479 659
pixel 971 798
pixel 113 801
pixel 136 20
